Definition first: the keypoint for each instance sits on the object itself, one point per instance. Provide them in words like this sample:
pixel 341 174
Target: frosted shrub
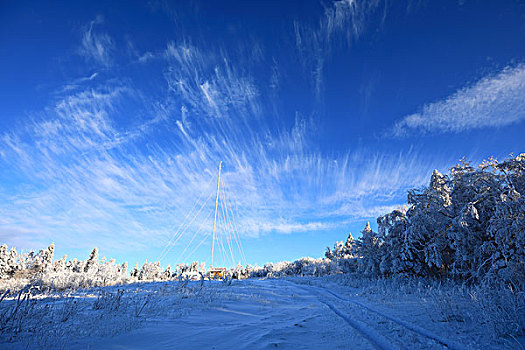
pixel 15 315
pixel 109 301
pixel 502 309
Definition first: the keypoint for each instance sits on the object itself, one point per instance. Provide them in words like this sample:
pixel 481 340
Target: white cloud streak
pixel 494 101
pixel 96 47
pixel 343 21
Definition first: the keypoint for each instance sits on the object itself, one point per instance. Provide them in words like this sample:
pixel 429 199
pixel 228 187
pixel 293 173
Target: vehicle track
pixel 377 340
pixel 372 336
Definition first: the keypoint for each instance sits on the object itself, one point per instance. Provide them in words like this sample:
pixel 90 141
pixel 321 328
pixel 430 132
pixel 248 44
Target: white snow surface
pixel 292 313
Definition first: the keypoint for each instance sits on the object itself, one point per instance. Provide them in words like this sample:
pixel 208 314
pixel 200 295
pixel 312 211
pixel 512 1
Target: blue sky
pixel 114 117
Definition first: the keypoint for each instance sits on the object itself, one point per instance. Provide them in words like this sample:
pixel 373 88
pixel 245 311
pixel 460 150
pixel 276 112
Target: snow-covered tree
pixel 241 272
pixel 392 228
pixel 92 262
pixel 135 272
pixel 342 250
pixel 425 249
pixel 44 259
pixel 107 271
pixel 4 267
pixel 166 275
pixel 123 270
pixel 350 248
pixel 12 262
pixel 504 250
pixel 60 265
pixel 328 254
pixel 369 247
pixel 75 266
pixel 339 247
pixel 150 271
pixel 475 196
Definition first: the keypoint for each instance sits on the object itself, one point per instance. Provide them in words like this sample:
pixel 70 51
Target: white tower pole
pixel 215 219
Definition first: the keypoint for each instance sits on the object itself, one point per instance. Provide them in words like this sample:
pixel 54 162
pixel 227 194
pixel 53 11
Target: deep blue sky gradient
pixel 113 116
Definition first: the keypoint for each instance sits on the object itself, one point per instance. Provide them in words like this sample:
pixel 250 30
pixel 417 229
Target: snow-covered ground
pixel 293 313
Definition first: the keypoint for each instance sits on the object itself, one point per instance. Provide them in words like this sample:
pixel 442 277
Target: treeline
pixel 467 225
pixel 18 270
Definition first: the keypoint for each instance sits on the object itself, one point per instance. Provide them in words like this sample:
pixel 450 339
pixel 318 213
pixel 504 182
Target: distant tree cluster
pixel 19 269
pixel 468 225
pixel 39 269
pixel 301 267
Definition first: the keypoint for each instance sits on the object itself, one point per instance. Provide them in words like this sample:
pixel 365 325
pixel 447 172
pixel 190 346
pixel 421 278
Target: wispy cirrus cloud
pixel 494 101
pixel 209 85
pixel 343 22
pixel 96 47
pixel 94 171
pixel 88 174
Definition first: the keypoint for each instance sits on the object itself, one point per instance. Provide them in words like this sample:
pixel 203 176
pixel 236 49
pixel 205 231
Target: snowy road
pixel 262 314
pixel 296 313
pixel 255 314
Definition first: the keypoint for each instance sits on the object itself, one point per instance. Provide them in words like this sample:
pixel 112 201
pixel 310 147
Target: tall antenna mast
pixel 215 219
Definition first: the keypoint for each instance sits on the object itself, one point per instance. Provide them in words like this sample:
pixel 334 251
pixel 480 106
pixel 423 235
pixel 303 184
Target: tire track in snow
pixel 412 327
pixel 372 336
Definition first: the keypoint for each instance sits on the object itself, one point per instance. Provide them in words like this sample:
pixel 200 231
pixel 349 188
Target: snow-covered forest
pixel 468 225
pixel 460 240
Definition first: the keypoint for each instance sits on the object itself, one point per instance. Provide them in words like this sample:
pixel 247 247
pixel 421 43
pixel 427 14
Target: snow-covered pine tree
pixel 107 272
pixel 75 265
pixel 475 196
pixel 44 259
pixel 426 248
pixel 60 265
pixel 338 251
pixel 4 267
pixel 12 262
pixel 134 273
pixel 350 248
pixel 166 275
pixel 328 254
pixel 507 245
pixel 91 264
pixel 123 269
pixel 143 273
pixel 370 250
pixel 150 271
pixel 391 228
pixel 513 173
pixel 343 255
pixel 506 228
pixel 194 266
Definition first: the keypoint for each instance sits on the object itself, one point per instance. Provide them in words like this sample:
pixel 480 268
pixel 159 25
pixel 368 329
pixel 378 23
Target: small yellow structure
pixel 216 272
